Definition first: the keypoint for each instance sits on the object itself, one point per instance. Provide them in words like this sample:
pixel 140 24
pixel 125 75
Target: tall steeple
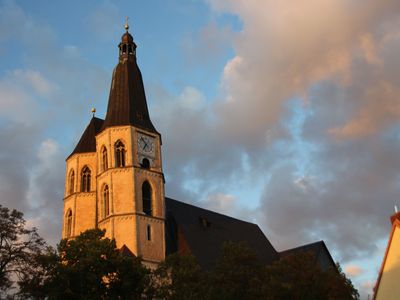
pixel 127 103
pixel 114 178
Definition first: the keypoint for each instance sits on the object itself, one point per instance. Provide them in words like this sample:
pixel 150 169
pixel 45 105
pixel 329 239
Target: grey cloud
pixel 193 151
pixel 15 162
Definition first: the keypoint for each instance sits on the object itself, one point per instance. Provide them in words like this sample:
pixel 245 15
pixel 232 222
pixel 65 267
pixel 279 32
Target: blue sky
pixel 283 114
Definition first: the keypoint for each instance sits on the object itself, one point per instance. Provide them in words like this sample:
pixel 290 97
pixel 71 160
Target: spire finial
pixel 93 111
pixel 126 23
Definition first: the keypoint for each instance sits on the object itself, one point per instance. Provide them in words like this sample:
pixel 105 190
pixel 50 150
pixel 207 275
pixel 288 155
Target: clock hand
pixel 145 144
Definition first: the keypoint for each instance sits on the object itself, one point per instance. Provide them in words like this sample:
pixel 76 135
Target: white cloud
pixel 353 270
pixel 223 203
pixel 46 190
pixel 191 99
pixel 286 48
pixel 35 80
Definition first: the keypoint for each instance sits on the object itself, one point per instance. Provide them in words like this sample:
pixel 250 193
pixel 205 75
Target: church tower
pixel 114 178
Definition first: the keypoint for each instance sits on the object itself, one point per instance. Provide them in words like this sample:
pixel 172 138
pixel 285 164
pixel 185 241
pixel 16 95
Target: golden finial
pixel 126 23
pixel 93 111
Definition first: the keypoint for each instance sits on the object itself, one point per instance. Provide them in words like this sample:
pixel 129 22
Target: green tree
pixel 179 277
pixel 87 267
pixel 19 247
pixel 298 276
pixel 238 274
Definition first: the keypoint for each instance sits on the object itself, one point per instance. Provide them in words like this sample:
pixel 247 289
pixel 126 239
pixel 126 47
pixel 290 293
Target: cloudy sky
pixel 283 113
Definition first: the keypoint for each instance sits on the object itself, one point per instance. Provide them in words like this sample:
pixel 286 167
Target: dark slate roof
pixel 126 252
pixel 127 101
pixel 87 143
pixel 205 232
pixel 319 249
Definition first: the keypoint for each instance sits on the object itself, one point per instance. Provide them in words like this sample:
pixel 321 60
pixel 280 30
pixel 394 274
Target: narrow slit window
pixel 148 232
pixel 106 201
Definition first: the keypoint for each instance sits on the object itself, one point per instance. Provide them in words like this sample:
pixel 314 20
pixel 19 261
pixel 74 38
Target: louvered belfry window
pixel 146 198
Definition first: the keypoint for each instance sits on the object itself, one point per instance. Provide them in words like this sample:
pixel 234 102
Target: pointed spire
pixel 127 103
pixel 126 23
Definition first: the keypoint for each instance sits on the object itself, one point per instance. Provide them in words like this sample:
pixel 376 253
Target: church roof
pixel 205 231
pixel 87 143
pixel 127 101
pixel 319 249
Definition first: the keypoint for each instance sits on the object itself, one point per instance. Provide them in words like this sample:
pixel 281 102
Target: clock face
pixel 145 144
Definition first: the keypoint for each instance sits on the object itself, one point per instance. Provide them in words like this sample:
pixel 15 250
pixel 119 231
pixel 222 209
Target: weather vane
pixel 93 111
pixel 126 23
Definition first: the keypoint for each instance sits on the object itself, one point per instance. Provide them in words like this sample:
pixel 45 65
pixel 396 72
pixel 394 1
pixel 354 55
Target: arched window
pixel 145 163
pixel 68 229
pixel 146 198
pixel 104 160
pixel 106 201
pixel 85 183
pixel 71 182
pixel 119 154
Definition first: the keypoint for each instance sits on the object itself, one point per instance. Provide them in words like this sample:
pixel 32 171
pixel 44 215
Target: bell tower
pixel 129 181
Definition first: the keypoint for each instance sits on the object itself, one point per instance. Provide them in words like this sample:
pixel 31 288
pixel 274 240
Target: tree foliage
pixel 299 276
pixel 88 267
pixel 179 277
pixel 238 274
pixel 19 248
pixel 91 267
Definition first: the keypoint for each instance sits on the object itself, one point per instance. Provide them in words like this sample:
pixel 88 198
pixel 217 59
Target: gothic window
pixel 146 198
pixel 106 201
pixel 148 232
pixel 85 183
pixel 71 181
pixel 119 154
pixel 68 228
pixel 104 160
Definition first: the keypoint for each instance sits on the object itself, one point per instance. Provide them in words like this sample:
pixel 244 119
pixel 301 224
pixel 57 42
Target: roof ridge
pixel 213 212
pixel 305 245
pixel 87 142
